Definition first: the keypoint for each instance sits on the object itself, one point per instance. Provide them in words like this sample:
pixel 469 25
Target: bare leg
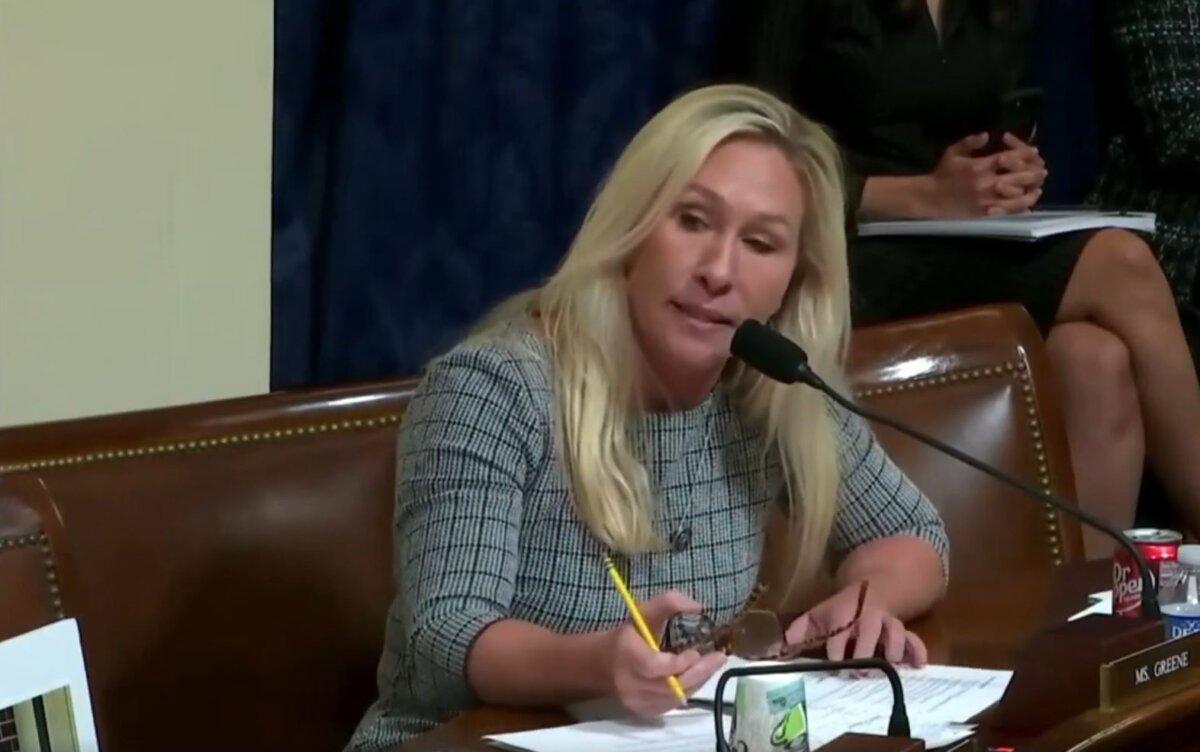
pixel 1104 425
pixel 1118 285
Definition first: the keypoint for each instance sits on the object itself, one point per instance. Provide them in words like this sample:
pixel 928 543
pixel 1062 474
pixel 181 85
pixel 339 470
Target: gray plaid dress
pixel 485 528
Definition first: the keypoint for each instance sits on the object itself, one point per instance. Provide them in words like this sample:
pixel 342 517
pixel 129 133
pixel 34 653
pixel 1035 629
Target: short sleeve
pixel 470 441
pixel 877 499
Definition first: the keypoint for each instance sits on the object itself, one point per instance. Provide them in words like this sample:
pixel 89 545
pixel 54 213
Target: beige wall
pixel 135 165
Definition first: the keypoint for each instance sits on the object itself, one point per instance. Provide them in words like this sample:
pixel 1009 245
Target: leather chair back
pixel 229 563
pixel 27 565
pixel 977 379
pixel 979 382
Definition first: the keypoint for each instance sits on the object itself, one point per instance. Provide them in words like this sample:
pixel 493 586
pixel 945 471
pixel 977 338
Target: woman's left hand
pixel 1021 174
pixel 876 632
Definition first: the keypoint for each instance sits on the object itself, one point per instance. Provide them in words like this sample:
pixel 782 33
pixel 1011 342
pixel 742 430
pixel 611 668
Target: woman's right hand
pixel 964 185
pixel 968 186
pixel 637 674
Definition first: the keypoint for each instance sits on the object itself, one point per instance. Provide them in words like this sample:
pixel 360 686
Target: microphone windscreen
pixel 769 352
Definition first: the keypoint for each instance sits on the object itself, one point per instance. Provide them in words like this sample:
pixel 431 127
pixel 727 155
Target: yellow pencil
pixel 639 622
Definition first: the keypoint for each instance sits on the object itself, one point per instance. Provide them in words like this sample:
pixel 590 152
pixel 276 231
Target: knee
pixel 1127 262
pixel 1095 373
pixel 1083 348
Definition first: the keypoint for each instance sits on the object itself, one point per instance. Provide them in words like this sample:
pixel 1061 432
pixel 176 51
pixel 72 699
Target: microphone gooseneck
pixel 778 358
pixel 897 722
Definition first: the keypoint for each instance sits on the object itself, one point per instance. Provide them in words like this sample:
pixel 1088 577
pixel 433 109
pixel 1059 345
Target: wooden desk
pixel 984 627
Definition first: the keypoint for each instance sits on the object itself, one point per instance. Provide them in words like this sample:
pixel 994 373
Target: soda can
pixel 1160 548
pixel 770 715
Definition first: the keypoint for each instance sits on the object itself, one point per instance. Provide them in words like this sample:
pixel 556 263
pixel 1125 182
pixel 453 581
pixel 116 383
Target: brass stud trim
pixel 51 574
pixel 1018 370
pixel 20 541
pixel 103 455
pixel 962 375
pixel 1054 523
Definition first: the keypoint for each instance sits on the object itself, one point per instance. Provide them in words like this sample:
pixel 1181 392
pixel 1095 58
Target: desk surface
pixel 983 627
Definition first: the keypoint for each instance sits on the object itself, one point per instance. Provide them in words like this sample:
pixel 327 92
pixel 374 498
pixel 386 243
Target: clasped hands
pixel 637 674
pixel 1007 182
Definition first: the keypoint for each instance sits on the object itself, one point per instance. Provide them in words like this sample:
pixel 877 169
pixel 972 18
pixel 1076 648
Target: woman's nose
pixel 718 265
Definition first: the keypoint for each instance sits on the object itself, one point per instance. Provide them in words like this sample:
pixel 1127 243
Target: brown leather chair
pixel 978 380
pixel 28 577
pixel 229 562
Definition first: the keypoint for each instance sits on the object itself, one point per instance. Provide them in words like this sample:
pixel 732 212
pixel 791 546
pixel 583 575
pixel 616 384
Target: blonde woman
pixel 601 413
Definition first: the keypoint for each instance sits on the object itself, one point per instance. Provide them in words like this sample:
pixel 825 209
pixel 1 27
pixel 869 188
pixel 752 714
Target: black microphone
pixel 897 723
pixel 776 357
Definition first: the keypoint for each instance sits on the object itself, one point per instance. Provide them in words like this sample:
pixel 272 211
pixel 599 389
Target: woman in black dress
pixel 910 88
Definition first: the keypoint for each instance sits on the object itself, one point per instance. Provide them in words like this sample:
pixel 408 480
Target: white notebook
pixel 1030 226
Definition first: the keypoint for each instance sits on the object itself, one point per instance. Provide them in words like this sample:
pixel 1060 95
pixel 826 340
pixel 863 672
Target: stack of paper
pixel 1029 226
pixel 940 700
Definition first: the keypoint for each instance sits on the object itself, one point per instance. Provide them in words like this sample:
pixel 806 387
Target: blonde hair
pixel 583 309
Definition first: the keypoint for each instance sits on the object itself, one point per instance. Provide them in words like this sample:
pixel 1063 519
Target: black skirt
pixel 899 277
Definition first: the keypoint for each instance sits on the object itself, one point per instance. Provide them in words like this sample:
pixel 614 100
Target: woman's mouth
pixel 703 316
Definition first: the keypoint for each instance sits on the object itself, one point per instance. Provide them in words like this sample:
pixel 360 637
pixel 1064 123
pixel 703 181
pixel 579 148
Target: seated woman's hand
pixel 1022 172
pixel 637 674
pixel 875 631
pixel 1007 182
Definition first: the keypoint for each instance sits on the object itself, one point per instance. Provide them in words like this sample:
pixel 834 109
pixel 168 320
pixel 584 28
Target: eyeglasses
pixel 753 633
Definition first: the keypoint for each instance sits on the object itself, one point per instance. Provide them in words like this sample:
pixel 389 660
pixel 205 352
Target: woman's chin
pixel 699 360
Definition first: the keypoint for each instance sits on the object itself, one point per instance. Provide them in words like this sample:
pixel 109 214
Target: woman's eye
pixel 692 222
pixel 760 245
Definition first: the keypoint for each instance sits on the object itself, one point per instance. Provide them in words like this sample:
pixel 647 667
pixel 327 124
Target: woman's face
pixel 725 252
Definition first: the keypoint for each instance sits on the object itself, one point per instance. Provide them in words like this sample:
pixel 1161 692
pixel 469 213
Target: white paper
pixel 679 731
pixel 42 661
pixel 941 694
pixel 1101 604
pixel 691 730
pixel 939 699
pixel 1028 226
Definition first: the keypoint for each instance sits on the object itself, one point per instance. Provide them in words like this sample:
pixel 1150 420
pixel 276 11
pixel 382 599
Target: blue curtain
pixel 1064 66
pixel 434 156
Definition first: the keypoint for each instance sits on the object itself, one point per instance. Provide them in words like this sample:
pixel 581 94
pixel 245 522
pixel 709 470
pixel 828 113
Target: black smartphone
pixel 1020 110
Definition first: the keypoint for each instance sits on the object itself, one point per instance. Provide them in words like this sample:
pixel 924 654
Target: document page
pixel 939 699
pixel 691 730
pixel 680 731
pixel 942 693
pixel 947 694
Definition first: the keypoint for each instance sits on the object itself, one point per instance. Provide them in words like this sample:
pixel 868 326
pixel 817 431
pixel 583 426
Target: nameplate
pixel 1149 674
